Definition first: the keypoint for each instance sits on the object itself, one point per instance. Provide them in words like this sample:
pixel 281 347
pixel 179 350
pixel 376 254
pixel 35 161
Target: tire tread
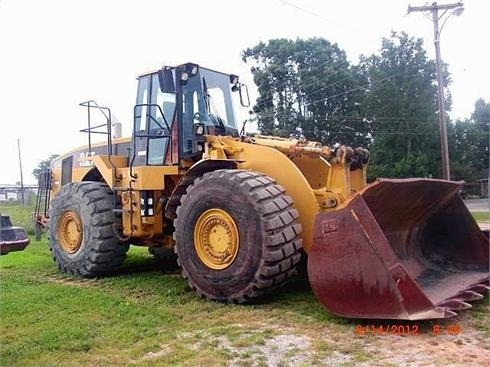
pixel 282 232
pixel 103 253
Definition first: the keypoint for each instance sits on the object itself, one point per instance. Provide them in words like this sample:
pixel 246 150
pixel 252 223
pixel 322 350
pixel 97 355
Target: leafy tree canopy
pixel 470 144
pixel 401 100
pixel 43 166
pixel 387 102
pixel 307 84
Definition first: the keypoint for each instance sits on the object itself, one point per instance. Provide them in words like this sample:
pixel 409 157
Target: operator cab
pixel 176 106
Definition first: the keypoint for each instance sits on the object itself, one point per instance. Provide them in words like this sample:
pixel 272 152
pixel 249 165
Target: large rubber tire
pixel 268 235
pixel 82 240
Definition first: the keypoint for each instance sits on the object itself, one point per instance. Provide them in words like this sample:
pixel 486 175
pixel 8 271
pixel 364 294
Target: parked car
pixel 11 238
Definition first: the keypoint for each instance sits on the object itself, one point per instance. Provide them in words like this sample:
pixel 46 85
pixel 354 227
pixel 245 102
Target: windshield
pixel 217 90
pixel 207 96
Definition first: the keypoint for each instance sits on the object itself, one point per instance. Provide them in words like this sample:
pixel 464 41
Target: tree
pixel 43 166
pixel 308 84
pixel 470 143
pixel 400 100
pixel 387 102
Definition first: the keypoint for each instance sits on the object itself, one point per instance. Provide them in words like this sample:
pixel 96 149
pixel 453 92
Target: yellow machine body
pixel 239 212
pixel 316 178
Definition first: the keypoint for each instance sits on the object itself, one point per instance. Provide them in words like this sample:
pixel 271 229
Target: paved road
pixel 478 205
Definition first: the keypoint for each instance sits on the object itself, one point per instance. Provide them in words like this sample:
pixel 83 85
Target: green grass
pixel 481 216
pixel 20 215
pixel 143 316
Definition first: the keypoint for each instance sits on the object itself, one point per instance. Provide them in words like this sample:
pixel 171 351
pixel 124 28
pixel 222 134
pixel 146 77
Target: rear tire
pixel 237 235
pixel 82 240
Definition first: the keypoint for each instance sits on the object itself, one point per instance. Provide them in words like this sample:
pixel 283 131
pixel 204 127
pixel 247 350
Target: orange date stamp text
pixel 406 329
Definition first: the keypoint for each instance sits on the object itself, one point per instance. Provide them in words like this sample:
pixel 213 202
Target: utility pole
pixel 434 9
pixel 21 177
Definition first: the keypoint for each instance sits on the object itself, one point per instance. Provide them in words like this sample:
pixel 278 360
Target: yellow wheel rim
pixel 216 239
pixel 70 233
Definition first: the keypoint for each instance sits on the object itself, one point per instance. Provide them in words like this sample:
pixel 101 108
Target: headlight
pixel 199 129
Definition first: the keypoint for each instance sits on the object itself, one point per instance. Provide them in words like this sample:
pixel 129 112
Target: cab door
pixel 154 116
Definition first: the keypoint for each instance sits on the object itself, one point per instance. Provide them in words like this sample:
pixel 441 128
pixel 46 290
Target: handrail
pixel 90 129
pixel 43 194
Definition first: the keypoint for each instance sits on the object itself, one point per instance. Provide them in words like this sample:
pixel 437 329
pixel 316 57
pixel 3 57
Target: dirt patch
pixel 430 350
pixel 73 282
pixel 280 350
pixel 162 352
pixel 459 342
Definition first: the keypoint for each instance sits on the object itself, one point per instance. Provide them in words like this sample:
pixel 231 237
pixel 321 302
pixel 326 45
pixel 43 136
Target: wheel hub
pixel 216 239
pixel 70 233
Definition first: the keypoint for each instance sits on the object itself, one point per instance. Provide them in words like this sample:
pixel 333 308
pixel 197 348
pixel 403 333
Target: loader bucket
pixel 399 249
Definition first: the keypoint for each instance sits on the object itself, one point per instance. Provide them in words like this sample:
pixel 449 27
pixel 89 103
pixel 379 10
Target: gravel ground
pixel 463 341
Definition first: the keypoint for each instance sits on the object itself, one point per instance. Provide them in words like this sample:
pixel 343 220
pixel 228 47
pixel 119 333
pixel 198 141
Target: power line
pixel 312 69
pixel 303 10
pixel 276 114
pixel 317 15
pixel 357 88
pixel 264 102
pixel 365 134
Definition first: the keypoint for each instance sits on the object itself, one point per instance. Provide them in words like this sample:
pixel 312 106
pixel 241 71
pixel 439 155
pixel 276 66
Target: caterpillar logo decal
pixel 85 159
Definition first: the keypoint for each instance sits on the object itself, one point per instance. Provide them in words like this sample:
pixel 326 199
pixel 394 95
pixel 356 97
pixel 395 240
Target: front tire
pixel 237 235
pixel 82 241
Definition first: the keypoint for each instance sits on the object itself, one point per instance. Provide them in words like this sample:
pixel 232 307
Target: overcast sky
pixel 58 53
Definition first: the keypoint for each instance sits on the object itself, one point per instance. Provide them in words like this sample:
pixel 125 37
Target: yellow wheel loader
pixel 238 212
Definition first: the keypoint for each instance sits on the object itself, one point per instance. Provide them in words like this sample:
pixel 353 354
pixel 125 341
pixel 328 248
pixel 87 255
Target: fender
pixel 197 170
pixel 279 167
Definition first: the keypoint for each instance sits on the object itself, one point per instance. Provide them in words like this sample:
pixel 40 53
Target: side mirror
pixel 243 91
pixel 166 80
